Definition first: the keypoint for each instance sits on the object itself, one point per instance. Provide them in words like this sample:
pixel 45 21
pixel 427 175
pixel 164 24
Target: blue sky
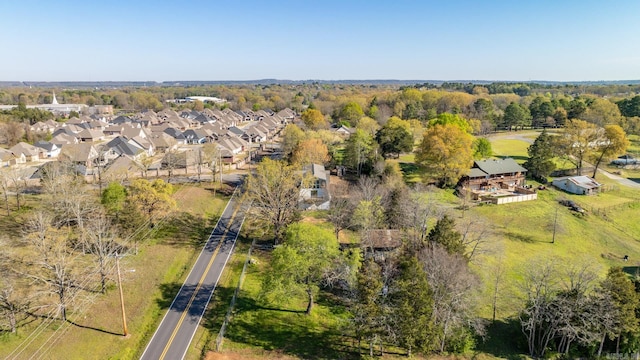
pixel 330 40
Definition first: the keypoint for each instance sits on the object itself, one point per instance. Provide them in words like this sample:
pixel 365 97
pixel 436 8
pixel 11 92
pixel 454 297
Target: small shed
pixel 581 185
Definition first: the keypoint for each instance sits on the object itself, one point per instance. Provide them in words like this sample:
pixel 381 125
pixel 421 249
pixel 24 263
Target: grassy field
pixel 514 148
pixel 149 284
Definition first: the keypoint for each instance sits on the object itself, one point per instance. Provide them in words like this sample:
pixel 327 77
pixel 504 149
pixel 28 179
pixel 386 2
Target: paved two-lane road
pixel 172 338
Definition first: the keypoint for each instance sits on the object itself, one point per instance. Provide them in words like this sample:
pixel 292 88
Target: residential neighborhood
pixel 98 141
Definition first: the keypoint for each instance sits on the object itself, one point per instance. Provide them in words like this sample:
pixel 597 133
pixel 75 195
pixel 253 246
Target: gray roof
pixel 317 171
pixel 121 120
pixel 194 134
pixel 126 149
pixel 236 130
pixel 497 166
pixel 49 146
pixel 476 173
pixel 175 133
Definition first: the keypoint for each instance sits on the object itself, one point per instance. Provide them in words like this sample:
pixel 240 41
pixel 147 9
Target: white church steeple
pixel 54 101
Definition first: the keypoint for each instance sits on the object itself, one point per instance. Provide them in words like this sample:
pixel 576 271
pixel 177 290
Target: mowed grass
pixel 267 329
pixel 513 148
pixel 634 145
pixel 522 238
pixel 523 234
pixel 96 332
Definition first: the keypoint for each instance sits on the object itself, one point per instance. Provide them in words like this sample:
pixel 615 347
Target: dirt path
pixel 522 136
pixel 620 179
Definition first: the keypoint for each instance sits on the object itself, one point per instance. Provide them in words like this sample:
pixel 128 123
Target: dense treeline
pixel 495 105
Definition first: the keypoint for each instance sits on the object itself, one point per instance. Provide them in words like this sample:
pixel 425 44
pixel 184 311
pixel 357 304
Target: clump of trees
pixel 68 244
pixel 574 315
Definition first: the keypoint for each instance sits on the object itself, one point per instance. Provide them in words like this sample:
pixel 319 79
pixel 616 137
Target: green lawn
pixel 516 149
pixel 260 328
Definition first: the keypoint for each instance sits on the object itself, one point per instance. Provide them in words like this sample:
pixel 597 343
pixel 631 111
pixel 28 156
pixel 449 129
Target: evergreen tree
pixel 367 307
pixel 445 234
pixel 516 116
pixel 413 307
pixel 541 153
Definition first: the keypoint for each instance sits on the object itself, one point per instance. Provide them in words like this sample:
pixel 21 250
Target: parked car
pixel 625 160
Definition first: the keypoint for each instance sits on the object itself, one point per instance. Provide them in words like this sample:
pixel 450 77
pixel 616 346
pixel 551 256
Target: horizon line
pixel 322 80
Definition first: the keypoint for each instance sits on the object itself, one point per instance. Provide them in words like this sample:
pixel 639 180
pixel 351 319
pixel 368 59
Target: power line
pixel 143 228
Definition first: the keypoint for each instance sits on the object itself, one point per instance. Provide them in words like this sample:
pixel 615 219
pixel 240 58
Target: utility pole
pixel 555 222
pixel 221 165
pixel 124 317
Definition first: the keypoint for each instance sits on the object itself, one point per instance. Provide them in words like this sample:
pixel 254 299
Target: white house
pixel 51 150
pixel 581 185
pixel 316 196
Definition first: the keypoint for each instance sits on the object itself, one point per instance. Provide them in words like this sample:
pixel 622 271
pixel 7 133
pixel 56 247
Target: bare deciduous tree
pixel 274 189
pixel 476 236
pixel 102 244
pixel 540 286
pixel 55 274
pixel 341 209
pixel 421 209
pixel 453 288
pixel 211 156
pixel 368 188
pixel 4 186
pixel 36 232
pixel 13 303
pixel 18 181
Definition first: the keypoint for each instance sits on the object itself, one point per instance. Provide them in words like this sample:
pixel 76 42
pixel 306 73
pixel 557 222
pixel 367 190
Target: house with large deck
pixel 496 181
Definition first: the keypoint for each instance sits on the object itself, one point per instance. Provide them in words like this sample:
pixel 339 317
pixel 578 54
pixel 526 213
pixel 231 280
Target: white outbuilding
pixel 581 185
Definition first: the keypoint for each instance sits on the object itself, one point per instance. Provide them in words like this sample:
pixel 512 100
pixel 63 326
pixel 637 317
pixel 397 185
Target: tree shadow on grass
pixel 504 340
pixel 288 331
pixel 168 292
pixel 633 271
pixel 522 237
pixel 410 171
pixel 186 229
pixel 12 224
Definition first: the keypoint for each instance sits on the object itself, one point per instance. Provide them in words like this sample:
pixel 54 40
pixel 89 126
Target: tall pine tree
pixel 367 309
pixel 541 153
pixel 445 234
pixel 413 307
